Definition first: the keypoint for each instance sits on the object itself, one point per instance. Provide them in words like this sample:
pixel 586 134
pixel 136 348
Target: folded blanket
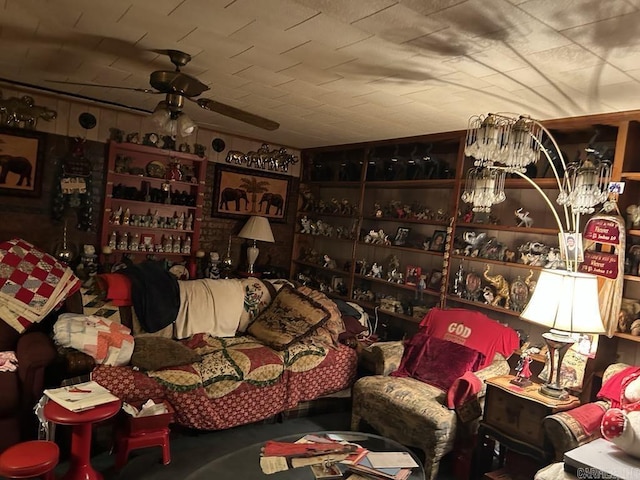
pixel 32 284
pixel 209 306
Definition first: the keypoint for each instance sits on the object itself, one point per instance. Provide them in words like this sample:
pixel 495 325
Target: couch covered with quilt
pixel 237 351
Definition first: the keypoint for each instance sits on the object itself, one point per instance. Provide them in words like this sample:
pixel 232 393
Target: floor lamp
pixel 508 143
pixel 566 302
pixel 256 228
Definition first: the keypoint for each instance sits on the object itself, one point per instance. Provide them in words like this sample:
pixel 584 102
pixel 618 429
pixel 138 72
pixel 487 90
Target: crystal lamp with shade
pixel 565 301
pixel 256 229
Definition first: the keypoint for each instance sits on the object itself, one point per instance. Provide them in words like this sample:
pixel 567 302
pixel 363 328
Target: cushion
pixel 352 328
pixel 334 326
pixel 291 316
pixel 439 363
pixel 154 353
pixel 257 295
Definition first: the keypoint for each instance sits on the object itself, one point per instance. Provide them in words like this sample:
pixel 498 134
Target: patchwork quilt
pixel 32 283
pixel 239 380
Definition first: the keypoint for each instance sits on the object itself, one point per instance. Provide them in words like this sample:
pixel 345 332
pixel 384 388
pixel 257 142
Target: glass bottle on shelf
pixel 186 246
pixel 176 244
pixel 123 244
pixel 113 241
pixel 167 247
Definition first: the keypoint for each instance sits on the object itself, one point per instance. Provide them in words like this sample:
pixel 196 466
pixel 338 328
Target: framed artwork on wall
pixel 238 193
pixel 21 158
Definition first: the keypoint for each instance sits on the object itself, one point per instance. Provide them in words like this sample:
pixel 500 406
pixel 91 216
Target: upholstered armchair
pixel 570 429
pixel 415 413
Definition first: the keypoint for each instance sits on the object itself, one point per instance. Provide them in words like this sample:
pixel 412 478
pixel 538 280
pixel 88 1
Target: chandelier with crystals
pixel 508 143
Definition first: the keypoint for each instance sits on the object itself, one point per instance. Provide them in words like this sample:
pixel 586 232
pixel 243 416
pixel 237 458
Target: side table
pixel 80 462
pixel 513 416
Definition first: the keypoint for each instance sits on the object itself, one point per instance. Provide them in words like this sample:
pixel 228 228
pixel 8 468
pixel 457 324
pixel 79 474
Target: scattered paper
pixel 391 460
pixel 271 465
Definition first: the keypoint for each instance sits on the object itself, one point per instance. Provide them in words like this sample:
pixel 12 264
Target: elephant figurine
pixel 22 112
pixel 18 165
pixel 233 195
pixel 272 200
pixel 501 286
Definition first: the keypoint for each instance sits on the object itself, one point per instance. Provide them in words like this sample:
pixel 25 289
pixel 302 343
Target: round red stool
pixel 36 458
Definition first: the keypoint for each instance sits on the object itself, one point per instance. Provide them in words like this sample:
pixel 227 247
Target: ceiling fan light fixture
pixel 186 126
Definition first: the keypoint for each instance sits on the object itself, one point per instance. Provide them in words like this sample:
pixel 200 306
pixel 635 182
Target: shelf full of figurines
pixel 152 220
pixel 326 229
pixel 413 212
pixel 473 244
pixel 166 194
pixel 339 207
pixel 324 283
pixel 492 288
pixel 136 242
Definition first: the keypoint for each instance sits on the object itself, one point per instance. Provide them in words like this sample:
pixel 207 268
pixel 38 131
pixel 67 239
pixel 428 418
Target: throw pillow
pixel 334 325
pixel 291 316
pixel 352 326
pixel 446 361
pixel 439 363
pixel 154 353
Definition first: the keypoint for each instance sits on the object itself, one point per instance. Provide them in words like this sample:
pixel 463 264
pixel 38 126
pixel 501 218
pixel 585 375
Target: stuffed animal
pixel 622 425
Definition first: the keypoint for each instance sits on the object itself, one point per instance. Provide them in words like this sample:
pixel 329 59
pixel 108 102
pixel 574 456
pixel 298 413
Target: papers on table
pixel 328 453
pixel 81 396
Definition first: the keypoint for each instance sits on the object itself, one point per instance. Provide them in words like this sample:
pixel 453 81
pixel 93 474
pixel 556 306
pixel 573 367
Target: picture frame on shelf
pixel 435 279
pixel 239 193
pixel 438 241
pixel 412 276
pixel 21 160
pixel 402 234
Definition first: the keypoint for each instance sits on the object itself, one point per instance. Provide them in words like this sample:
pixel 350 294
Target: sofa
pixel 428 391
pixel 215 378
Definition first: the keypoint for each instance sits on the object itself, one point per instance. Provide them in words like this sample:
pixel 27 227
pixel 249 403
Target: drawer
pixel 516 417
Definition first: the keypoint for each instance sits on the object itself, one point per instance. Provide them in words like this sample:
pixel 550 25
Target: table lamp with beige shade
pixel 256 229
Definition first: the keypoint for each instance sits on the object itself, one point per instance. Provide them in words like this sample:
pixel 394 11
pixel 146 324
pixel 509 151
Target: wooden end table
pixel 513 416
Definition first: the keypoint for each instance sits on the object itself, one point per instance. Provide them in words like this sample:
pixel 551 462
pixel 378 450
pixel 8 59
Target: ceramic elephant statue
pixel 233 195
pixel 501 286
pixel 272 200
pixel 18 165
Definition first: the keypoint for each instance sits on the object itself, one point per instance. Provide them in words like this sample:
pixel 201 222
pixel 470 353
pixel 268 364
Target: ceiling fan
pixel 178 86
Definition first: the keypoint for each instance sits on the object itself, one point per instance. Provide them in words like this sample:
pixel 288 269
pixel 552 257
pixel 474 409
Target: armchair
pixel 21 389
pixel 415 413
pixel 570 429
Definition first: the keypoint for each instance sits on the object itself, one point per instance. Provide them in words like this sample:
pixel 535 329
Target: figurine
pixel 328 262
pixel 524 219
pixel 523 371
pixel 501 286
pixel 213 270
pixel 376 270
pixel 422 285
pixel 306 225
pixel 116 217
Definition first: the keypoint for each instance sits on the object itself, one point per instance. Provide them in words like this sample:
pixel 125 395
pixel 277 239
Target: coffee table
pixel 245 462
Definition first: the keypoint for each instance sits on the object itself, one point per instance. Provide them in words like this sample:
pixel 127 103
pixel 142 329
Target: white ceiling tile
pixel 267 60
pixel 264 76
pixel 432 6
pixel 269 38
pixel 216 45
pixel 330 31
pixel 163 7
pixel 211 15
pixel 347 11
pixel 518 79
pixel 155 23
pixel 276 13
pixel 385 99
pixel 485 63
pixel 563 59
pixel 318 55
pixel 261 90
pixel 309 74
pixel 571 13
pixel 299 87
pixel 398 24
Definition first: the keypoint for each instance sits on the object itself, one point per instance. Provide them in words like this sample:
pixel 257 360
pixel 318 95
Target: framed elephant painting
pixel 239 192
pixel 21 157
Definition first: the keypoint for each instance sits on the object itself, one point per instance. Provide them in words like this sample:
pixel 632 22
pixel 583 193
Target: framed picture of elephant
pixel 239 192
pixel 21 158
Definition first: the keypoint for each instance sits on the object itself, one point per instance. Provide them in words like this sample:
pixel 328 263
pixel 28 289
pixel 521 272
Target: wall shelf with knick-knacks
pixel 153 202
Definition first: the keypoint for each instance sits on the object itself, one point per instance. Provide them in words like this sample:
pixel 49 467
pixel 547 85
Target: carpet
pixel 191 450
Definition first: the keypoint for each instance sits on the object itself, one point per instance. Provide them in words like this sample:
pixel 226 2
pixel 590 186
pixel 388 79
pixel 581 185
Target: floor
pixel 190 450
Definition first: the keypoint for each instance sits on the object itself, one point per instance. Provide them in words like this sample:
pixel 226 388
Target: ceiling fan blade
pixel 243 116
pixel 144 90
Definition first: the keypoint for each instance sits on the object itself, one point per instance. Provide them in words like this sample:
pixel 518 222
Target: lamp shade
pixel 566 301
pixel 257 228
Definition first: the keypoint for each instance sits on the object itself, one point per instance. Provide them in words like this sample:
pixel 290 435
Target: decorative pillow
pixel 352 328
pixel 335 325
pixel 439 363
pixel 257 296
pixel 154 353
pixel 291 316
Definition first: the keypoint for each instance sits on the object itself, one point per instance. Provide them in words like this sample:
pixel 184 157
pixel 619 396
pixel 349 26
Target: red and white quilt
pixel 32 283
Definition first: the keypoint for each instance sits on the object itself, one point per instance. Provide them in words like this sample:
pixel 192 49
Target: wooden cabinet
pixel 153 202
pixel 513 416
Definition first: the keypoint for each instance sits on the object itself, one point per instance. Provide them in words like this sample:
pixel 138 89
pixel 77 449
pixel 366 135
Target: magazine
pixel 81 396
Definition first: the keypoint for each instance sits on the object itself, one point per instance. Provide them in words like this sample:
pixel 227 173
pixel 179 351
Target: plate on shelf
pixel 156 169
pixel 180 272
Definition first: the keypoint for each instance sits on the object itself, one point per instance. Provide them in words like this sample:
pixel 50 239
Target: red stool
pixel 125 442
pixel 36 458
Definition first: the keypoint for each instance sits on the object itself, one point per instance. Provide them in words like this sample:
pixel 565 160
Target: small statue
pixel 328 262
pixel 502 288
pixel 213 270
pixel 524 220
pixel 306 225
pixel 420 288
pixel 523 371
pixel 376 270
